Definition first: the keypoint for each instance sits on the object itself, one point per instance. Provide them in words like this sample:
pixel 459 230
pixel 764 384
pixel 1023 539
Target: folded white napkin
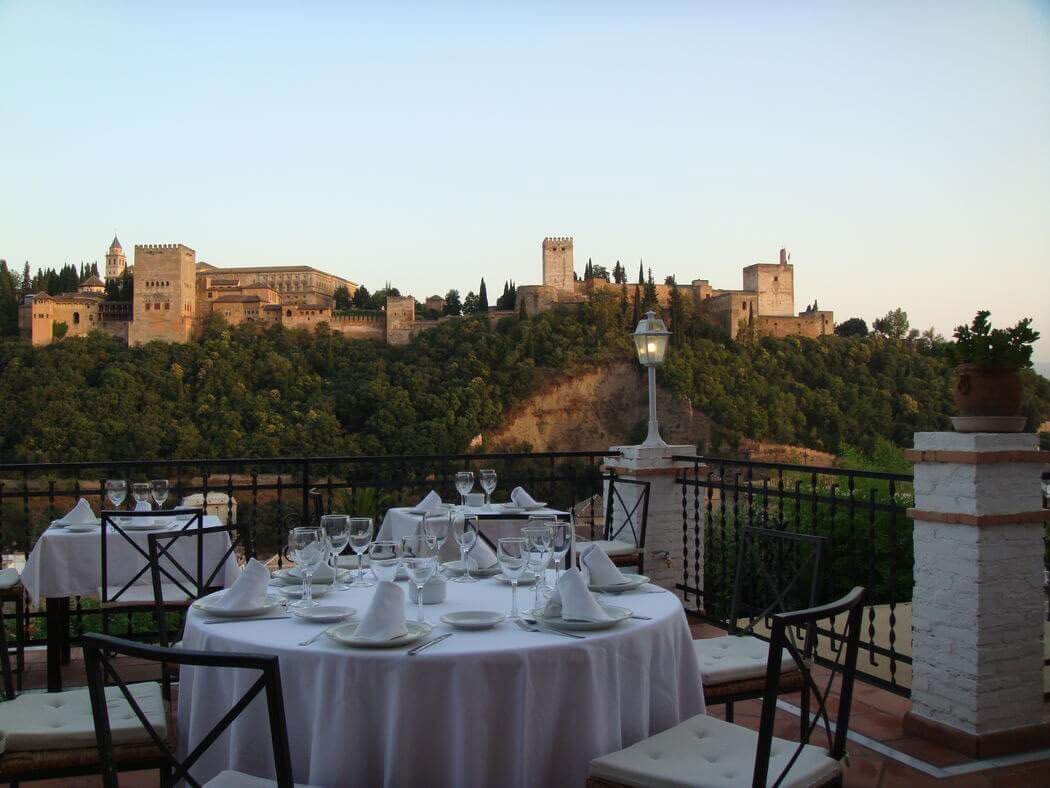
pixel 600 568
pixel 248 591
pixel 79 514
pixel 9 578
pixel 431 502
pixel 522 498
pixel 385 617
pixel 482 555
pixel 572 600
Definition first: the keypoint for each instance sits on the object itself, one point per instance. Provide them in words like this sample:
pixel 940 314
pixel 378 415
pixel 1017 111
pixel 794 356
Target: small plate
pixel 473 619
pixel 633 582
pixel 525 580
pixel 144 524
pixel 82 528
pixel 323 614
pixel 427 511
pixel 345 635
pixel 509 508
pixel 273 602
pixel 456 568
pixel 296 591
pixel 294 576
pixel 617 614
pixel 60 523
pixel 532 507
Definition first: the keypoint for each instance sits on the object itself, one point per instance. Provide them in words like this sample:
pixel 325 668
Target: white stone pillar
pixel 978 604
pixel 663 542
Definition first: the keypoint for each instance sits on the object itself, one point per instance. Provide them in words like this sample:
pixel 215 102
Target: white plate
pixel 525 580
pixel 273 602
pixel 456 568
pixel 509 508
pixel 617 614
pixel 323 614
pixel 81 528
pixel 633 582
pixel 293 575
pixel 60 523
pixel 345 635
pixel 473 619
pixel 428 511
pixel 144 524
pixel 532 507
pixel 296 591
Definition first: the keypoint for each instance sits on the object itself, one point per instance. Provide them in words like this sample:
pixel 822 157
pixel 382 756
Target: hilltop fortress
pixel 173 294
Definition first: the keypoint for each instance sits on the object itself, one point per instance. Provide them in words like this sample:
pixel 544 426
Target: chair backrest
pixel 191 582
pixel 776 571
pixel 100 653
pixel 844 667
pixel 113 522
pixel 626 509
pixel 317 506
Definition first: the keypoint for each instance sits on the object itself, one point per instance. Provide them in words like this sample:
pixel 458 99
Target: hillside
pixel 245 391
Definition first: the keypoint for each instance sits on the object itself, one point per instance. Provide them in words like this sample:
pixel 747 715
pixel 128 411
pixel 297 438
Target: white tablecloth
pixel 399 522
pixel 69 564
pixel 500 707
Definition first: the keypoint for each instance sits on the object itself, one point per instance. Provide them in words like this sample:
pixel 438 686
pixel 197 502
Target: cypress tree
pixel 641 274
pixel 636 310
pixel 26 279
pixel 483 297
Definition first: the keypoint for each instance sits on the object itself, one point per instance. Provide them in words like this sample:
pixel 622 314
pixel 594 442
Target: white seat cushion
pixel 610 546
pixel 62 720
pixel 735 658
pixel 709 752
pixel 9 578
pixel 232 779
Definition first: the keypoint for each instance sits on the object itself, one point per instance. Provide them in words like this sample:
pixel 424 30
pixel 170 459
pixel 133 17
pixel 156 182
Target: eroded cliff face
pixel 597 409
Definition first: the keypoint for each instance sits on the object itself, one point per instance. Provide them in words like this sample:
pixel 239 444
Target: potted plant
pixel 988 380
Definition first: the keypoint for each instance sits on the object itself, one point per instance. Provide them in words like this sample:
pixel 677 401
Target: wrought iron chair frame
pixel 639 533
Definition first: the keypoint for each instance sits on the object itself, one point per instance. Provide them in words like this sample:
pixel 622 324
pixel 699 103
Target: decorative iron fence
pixel 862 516
pixel 260 493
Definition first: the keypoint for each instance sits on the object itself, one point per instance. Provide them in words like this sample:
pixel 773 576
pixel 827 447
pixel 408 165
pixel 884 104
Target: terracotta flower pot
pixel 988 399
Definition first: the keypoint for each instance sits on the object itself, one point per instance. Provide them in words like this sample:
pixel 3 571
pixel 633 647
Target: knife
pixel 429 643
pixel 242 620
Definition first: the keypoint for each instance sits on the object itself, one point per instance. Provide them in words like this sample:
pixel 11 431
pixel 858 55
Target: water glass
pixel 140 492
pixel 561 542
pixel 336 529
pixel 464 484
pixel 116 491
pixel 513 560
pixel 159 490
pixel 487 476
pixel 307 548
pixel 419 555
pixel 385 559
pixel 465 532
pixel 538 540
pixel 359 531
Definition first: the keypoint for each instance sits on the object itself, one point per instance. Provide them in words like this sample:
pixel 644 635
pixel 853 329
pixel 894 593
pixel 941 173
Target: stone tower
pixel 165 297
pixel 557 264
pixel 775 285
pixel 116 262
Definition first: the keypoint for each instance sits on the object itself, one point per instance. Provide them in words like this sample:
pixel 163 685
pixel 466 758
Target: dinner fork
pixel 551 630
pixel 315 638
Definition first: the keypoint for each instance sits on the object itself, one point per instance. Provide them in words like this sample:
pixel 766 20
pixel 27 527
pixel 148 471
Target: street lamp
pixel 650 338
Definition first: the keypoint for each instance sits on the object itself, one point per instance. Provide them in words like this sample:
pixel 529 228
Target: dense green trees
pixel 10 288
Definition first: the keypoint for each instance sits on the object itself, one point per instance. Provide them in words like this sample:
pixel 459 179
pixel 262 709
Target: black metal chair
pixel 47 738
pixel 705 750
pixel 626 521
pixel 101 667
pixel 776 571
pixel 317 506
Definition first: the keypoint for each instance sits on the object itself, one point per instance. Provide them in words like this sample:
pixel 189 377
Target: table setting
pixel 449 679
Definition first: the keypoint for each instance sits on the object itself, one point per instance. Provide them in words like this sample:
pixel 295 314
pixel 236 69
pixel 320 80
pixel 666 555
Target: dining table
pixel 502 706
pixel 67 563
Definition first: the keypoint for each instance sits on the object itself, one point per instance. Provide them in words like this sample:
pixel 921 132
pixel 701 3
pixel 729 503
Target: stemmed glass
pixel 360 535
pixel 561 541
pixel 385 559
pixel 419 556
pixel 464 484
pixel 307 548
pixel 465 532
pixel 140 492
pixel 336 530
pixel 116 491
pixel 436 525
pixel 538 541
pixel 487 477
pixel 513 560
pixel 159 490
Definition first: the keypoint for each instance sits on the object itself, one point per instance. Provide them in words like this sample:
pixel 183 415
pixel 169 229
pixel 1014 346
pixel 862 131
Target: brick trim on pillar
pixel 978 745
pixel 957 518
pixel 977 457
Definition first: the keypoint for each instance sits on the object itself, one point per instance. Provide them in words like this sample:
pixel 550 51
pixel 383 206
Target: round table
pixel 498 707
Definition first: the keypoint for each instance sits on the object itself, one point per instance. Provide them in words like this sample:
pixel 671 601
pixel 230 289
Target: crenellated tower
pixel 557 264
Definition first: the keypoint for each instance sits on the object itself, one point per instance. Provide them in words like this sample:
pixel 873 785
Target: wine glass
pixel 436 525
pixel 359 530
pixel 464 484
pixel 116 491
pixel 419 556
pixel 487 476
pixel 544 521
pixel 561 541
pixel 465 532
pixel 513 560
pixel 307 548
pixel 140 492
pixel 159 490
pixel 385 559
pixel 538 541
pixel 336 531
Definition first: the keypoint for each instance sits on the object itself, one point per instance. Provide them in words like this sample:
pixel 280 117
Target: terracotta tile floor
pixel 876 714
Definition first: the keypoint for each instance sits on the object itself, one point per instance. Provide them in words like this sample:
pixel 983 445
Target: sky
pixel 899 150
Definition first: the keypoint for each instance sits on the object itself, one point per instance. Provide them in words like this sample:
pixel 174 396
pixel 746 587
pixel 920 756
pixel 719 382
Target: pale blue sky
pixel 900 150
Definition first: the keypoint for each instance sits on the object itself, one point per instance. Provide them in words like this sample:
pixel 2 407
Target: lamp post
pixel 650 339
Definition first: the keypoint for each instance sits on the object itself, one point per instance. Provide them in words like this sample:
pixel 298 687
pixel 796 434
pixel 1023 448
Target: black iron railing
pixel 862 516
pixel 261 493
